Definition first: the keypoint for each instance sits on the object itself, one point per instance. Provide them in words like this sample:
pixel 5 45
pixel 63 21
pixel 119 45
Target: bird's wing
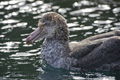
pixel 84 47
pixel 105 52
pixel 81 49
pixel 105 35
pixel 97 50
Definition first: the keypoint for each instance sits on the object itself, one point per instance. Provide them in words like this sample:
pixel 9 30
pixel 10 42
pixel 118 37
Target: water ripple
pixel 9 21
pixel 85 10
pixel 22 54
pixel 116 10
pixel 83 3
pixel 103 21
pixel 22 24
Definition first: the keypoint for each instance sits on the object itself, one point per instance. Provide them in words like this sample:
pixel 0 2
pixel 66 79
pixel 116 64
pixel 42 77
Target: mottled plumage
pixel 100 52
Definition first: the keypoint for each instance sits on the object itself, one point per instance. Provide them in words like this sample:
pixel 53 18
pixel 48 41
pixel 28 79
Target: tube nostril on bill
pixel 28 41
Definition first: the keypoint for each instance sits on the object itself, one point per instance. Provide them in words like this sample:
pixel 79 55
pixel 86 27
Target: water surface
pixel 18 18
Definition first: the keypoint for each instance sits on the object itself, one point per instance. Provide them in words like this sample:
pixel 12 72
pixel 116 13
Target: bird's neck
pixel 60 47
pixel 54 52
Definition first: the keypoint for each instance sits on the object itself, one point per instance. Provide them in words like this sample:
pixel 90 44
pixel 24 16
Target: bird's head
pixel 50 25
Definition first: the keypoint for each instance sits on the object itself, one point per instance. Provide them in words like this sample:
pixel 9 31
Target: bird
pixel 99 52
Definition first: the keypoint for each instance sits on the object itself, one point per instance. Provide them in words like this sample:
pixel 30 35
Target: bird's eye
pixel 46 24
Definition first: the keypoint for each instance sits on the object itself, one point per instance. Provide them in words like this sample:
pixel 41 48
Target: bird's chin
pixel 29 41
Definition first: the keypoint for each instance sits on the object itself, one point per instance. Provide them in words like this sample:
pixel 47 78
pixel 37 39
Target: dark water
pixel 18 18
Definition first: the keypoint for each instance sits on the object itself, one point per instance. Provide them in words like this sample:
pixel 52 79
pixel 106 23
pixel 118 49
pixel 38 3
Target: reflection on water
pixel 19 17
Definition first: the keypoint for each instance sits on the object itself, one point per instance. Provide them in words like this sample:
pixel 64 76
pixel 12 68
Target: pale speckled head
pixel 50 25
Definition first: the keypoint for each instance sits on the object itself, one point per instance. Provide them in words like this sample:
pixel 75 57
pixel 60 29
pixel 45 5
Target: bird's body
pixel 101 52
